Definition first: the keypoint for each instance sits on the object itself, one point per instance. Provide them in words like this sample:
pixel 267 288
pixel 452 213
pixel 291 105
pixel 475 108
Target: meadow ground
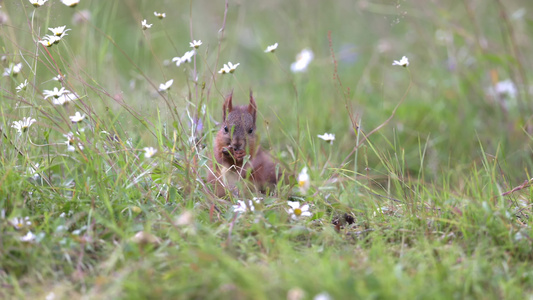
pixel 424 192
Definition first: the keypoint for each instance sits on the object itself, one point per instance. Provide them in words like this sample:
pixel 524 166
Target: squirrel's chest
pixel 230 176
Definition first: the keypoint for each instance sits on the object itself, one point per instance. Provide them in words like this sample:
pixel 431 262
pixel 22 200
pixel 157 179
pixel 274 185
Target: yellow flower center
pixel 297 212
pixel 301 183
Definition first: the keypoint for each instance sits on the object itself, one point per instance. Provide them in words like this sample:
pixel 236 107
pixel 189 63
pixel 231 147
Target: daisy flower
pixel 59 77
pixel 32 172
pixel 13 69
pixel 323 296
pixel 165 86
pixel 56 93
pixel 17 68
pixel 505 87
pixel 21 87
pixel 71 142
pixel 19 223
pixel 177 60
pixel 225 69
pixel 303 59
pixel 145 25
pixel 271 48
pixel 38 3
pixel 228 68
pixel 70 138
pixel 303 180
pixel 160 15
pixel 297 211
pixel 67 97
pixel 187 57
pixel 70 3
pixel 77 117
pixel 29 237
pixel 328 137
pixel 59 31
pixel 149 152
pixel 46 42
pixel 404 62
pixel 243 206
pixel 54 39
pixel 195 44
pixel 50 40
pixel 23 125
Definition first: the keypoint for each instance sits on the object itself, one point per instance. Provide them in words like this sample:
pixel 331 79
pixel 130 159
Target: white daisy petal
pixel 404 62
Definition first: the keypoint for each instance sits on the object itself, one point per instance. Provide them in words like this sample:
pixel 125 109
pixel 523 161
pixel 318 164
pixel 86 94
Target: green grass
pixel 423 208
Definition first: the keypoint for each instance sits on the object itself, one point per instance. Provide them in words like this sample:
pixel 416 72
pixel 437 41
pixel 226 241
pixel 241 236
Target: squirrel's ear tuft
pixel 228 106
pixel 252 108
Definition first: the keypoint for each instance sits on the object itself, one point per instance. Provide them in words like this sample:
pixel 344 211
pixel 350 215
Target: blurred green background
pixel 459 51
pixel 459 139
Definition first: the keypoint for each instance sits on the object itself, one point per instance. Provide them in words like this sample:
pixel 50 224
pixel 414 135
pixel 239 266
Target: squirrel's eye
pixel 226 129
pixel 250 131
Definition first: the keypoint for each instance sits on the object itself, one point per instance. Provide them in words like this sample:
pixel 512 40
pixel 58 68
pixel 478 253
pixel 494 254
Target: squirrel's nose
pixel 237 146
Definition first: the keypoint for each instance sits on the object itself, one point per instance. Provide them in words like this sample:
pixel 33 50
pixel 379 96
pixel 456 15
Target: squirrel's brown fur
pixel 235 140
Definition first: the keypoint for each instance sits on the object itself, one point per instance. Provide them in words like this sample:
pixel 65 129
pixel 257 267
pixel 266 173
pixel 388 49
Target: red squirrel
pixel 235 140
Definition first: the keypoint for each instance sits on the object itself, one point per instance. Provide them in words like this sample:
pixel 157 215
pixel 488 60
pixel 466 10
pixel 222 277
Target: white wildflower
pixel 21 87
pixel 228 68
pixel 177 60
pixel 38 3
pixel 54 39
pixel 145 25
pixel 61 228
pixel 59 78
pixel 243 206
pixel 195 44
pixel 56 93
pixel 77 117
pixel 23 125
pixel 71 142
pixel 70 3
pixel 13 69
pixel 271 48
pixel 322 296
pixel 303 59
pixel 404 62
pixel 187 57
pixel 297 211
pixel 149 152
pixel 59 31
pixel 46 42
pixel 303 180
pixel 19 223
pixel 65 98
pixel 505 88
pixel 160 15
pixel 328 137
pixel 165 86
pixel 29 237
pixel 32 172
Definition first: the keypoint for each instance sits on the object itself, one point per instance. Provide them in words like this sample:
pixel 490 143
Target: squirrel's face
pixel 236 136
pixel 238 133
